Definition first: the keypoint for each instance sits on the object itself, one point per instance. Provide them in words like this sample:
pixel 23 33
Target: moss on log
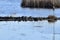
pixel 52 18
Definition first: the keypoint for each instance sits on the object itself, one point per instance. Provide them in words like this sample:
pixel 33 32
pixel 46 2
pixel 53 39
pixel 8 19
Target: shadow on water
pixel 22 34
pixel 38 26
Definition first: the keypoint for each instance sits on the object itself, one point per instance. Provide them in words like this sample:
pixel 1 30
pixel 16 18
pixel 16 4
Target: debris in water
pixel 37 26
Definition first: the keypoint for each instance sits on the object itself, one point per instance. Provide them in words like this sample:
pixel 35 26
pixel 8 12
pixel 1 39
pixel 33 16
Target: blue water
pixel 41 30
pixel 8 7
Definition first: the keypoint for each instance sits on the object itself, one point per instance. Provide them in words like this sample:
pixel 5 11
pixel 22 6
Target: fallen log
pixel 50 18
pixel 40 3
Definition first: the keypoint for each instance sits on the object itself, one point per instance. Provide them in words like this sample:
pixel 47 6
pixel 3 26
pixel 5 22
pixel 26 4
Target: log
pixel 40 3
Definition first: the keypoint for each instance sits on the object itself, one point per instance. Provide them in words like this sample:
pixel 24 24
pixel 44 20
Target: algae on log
pixel 40 3
pixel 52 18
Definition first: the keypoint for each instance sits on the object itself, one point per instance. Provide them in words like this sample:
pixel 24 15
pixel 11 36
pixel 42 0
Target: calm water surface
pixel 29 30
pixel 41 30
pixel 9 7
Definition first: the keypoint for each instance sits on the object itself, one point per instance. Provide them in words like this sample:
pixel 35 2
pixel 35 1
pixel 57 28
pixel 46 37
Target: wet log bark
pixel 40 4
